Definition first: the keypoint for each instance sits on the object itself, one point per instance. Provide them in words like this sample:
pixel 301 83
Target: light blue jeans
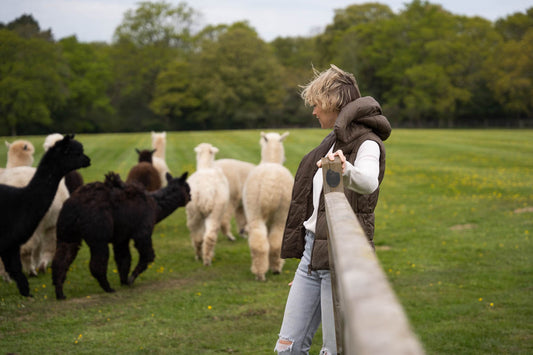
pixel 309 303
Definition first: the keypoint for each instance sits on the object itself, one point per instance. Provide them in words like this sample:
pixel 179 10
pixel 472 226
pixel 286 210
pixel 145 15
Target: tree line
pixel 427 67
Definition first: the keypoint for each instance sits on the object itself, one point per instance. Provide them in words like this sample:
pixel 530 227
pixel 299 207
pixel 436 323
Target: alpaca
pixel 124 212
pixel 73 179
pixel 22 208
pixel 20 153
pixel 209 199
pixel 266 199
pixel 159 143
pixel 38 251
pixel 144 173
pixel 236 172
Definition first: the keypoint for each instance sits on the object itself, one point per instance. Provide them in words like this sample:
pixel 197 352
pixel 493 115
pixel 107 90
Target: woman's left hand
pixel 331 156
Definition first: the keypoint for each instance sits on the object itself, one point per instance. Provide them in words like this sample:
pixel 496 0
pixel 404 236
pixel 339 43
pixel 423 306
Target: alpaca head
pixel 20 153
pixel 179 187
pixel 51 139
pixel 272 150
pixel 145 155
pixel 66 155
pixel 205 155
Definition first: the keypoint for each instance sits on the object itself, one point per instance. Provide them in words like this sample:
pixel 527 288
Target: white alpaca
pixel 266 199
pixel 209 200
pixel 236 172
pixel 159 143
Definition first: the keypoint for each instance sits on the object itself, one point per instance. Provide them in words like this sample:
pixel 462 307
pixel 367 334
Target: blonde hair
pixel 331 89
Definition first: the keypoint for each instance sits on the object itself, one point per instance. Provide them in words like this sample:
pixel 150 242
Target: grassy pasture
pixel 453 234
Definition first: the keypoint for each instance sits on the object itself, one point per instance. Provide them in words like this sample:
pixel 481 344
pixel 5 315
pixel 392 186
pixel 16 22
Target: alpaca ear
pixel 264 137
pixel 138 151
pixel 8 144
pixel 214 150
pixel 168 176
pixel 197 149
pixel 284 135
pixel 153 151
pixel 184 176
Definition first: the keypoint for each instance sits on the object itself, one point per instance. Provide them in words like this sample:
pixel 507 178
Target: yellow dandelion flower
pixel 480 299
pixel 209 307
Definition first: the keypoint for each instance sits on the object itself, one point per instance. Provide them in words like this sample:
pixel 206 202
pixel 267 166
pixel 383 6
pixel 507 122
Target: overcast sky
pixel 96 20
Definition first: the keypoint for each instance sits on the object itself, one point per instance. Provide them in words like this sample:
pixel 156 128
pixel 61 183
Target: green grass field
pixel 453 234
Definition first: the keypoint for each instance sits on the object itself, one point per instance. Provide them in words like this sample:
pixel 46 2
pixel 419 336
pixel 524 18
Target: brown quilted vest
pixel 357 122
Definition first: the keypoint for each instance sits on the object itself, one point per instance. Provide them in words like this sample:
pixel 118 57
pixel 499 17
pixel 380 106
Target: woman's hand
pixel 331 156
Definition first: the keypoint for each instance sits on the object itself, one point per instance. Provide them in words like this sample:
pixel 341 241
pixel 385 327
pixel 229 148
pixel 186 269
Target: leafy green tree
pixel 31 83
pixel 510 73
pixel 26 27
pixel 148 39
pixel 88 106
pixel 174 96
pixel 239 79
pixel 515 26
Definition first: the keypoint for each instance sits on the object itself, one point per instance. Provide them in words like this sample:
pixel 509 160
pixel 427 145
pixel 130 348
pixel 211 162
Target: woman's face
pixel 326 119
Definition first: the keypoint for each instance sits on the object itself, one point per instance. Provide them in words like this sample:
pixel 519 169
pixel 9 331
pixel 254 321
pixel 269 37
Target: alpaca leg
pixel 123 260
pixel 275 238
pixel 225 225
pixel 29 255
pixel 3 272
pixel 98 264
pixel 196 228
pixel 63 258
pixel 240 218
pixel 146 256
pixel 13 266
pixel 48 249
pixel 259 247
pixel 210 240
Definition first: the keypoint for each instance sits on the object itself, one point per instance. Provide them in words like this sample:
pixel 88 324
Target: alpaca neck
pixel 205 164
pixel 167 201
pixel 41 191
pixel 159 146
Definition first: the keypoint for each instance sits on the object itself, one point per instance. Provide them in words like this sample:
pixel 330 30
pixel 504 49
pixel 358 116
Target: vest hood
pixel 364 112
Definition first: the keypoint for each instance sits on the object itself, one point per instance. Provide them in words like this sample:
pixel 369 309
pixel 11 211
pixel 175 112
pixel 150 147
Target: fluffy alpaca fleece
pixel 73 179
pixel 159 143
pixel 20 153
pixel 266 199
pixel 37 253
pixel 144 173
pixel 209 200
pixel 236 171
pixel 24 207
pixel 113 212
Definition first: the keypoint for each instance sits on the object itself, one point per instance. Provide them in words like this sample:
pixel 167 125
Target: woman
pixel 359 129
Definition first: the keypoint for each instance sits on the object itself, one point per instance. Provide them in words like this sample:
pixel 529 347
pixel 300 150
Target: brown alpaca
pixel 144 173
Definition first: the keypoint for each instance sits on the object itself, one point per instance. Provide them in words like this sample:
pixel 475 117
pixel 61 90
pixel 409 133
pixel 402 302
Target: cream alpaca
pixel 209 200
pixel 236 172
pixel 20 153
pixel 266 199
pixel 159 143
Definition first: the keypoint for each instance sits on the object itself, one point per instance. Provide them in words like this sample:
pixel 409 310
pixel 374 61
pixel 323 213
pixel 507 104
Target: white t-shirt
pixel 362 177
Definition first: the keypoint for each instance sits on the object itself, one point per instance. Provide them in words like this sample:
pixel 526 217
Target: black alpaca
pixel 144 173
pixel 113 212
pixel 21 209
